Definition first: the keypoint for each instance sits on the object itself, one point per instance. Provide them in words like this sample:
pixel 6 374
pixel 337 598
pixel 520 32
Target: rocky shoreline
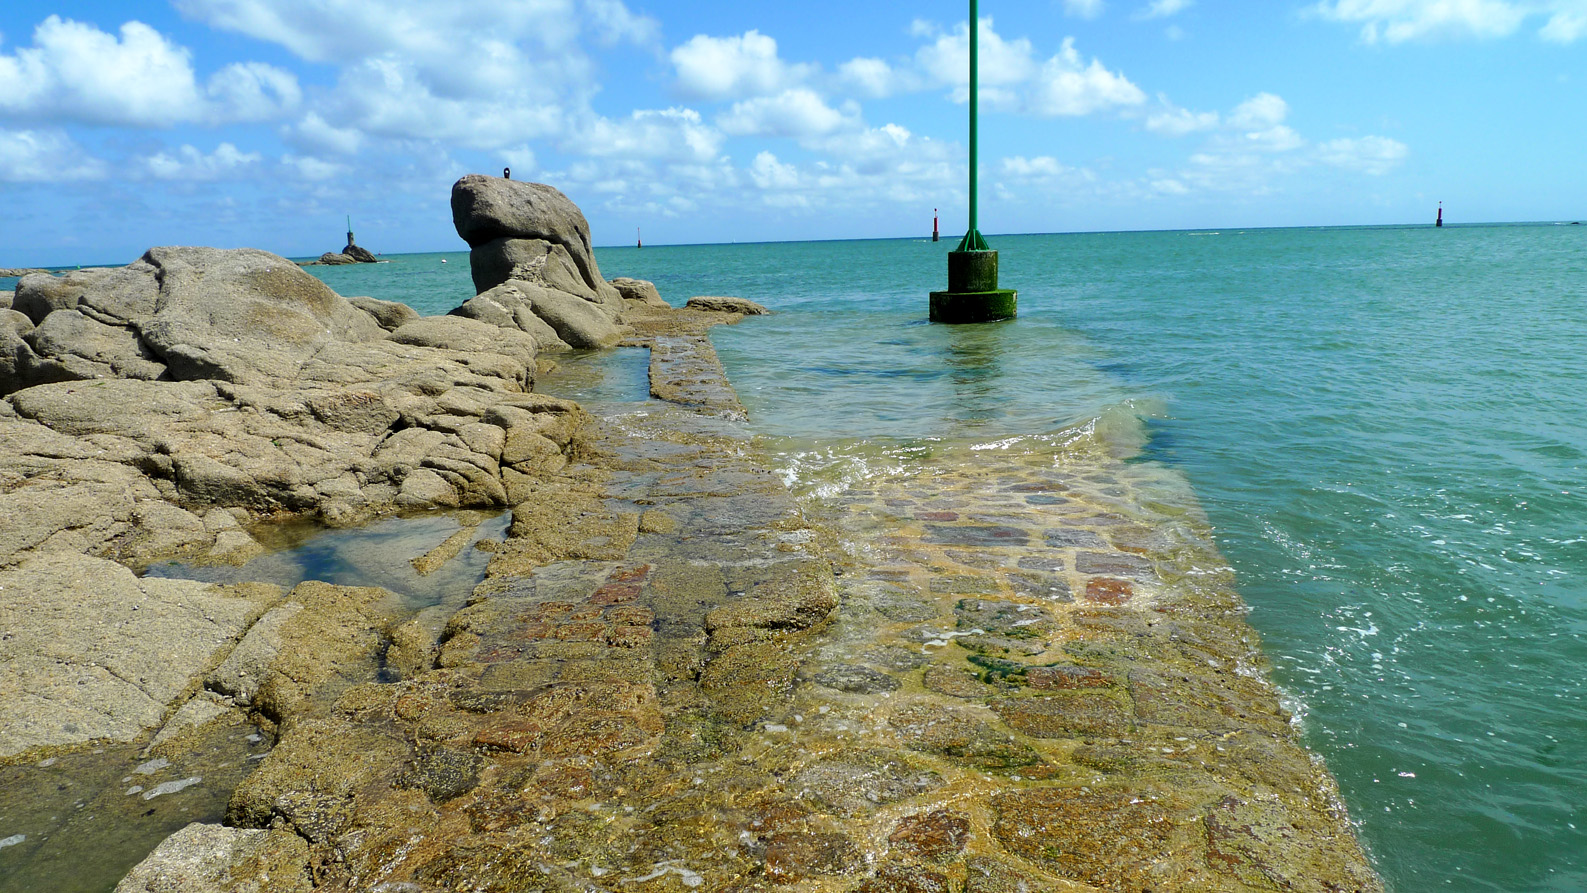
pixel 671 679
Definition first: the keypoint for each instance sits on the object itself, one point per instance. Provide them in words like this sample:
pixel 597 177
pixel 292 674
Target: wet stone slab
pixel 943 677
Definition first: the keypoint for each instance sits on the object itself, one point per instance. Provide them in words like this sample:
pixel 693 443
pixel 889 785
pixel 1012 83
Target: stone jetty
pixel 674 679
pixel 1023 673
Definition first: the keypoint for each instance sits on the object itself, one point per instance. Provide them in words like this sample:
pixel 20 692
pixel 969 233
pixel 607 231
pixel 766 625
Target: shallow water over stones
pixel 946 669
pixel 427 559
pixel 86 818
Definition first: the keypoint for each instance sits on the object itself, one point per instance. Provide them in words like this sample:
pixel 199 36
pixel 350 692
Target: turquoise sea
pixel 1383 425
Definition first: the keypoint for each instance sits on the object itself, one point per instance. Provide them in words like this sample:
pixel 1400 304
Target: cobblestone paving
pixel 1005 675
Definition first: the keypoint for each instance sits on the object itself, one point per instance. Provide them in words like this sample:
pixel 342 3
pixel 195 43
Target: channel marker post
pixel 973 295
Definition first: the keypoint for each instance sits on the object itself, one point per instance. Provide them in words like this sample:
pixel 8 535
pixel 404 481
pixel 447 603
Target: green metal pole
pixel 974 108
pixel 972 240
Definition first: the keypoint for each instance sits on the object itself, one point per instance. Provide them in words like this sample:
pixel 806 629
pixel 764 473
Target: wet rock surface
pixel 677 677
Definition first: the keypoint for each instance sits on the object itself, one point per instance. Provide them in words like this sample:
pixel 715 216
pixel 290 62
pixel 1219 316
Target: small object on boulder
pixel 642 290
pixel 719 304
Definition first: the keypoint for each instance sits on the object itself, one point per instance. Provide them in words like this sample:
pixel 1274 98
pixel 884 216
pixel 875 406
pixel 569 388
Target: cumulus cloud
pixel 527 70
pixel 675 134
pixel 394 99
pixel 1069 86
pixel 189 163
pixel 730 67
pixel 1003 63
pixel 40 156
pixel 1397 21
pixel 1013 79
pixel 76 72
pixel 796 113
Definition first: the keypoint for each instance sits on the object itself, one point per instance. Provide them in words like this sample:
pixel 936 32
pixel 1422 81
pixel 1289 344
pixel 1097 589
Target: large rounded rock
pixel 485 209
pixel 243 315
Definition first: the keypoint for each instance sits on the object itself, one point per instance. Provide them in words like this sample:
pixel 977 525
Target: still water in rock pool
pixel 76 823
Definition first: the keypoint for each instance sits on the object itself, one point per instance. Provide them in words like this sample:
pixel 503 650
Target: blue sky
pixel 265 123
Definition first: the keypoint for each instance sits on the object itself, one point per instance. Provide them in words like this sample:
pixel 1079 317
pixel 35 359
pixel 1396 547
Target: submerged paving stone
pixel 941 678
pixel 976 535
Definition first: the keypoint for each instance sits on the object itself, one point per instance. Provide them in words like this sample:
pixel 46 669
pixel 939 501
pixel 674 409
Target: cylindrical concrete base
pixel 974 306
pixel 972 271
pixel 972 295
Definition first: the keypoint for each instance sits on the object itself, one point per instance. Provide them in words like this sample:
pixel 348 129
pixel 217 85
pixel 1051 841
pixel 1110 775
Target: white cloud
pixel 1260 111
pixel 1067 86
pixel 1175 121
pixel 253 91
pixel 1159 9
pixel 946 60
pixel 314 132
pixel 1083 9
pixel 482 76
pixel 76 72
pixel 614 22
pixel 394 99
pixel 875 78
pixel 1374 155
pixel 314 169
pixel 731 67
pixel 674 134
pixel 1278 138
pixel 1565 26
pixel 1011 78
pixel 434 31
pixel 50 156
pixel 190 164
pixel 1040 167
pixel 796 113
pixel 769 173
pixel 1397 21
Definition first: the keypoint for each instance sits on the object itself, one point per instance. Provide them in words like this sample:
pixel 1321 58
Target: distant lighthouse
pixel 1440 221
pixel 935 236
